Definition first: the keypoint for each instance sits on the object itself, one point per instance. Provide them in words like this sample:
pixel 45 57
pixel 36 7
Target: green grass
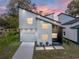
pixel 71 51
pixel 8 44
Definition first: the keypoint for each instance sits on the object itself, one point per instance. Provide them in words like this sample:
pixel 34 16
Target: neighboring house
pixel 37 28
pixel 63 18
pixel 71 24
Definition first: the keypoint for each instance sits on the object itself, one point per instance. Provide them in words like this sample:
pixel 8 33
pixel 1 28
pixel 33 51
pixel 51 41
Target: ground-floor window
pixel 29 30
pixel 44 37
pixel 54 35
pixel 64 33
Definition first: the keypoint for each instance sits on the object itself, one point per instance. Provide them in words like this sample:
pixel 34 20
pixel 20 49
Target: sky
pixel 3 6
pixel 51 6
pixel 47 6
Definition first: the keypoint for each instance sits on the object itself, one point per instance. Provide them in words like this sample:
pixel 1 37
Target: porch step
pixel 49 48
pixel 58 47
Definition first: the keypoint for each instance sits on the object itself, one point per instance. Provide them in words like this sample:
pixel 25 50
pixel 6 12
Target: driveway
pixel 25 51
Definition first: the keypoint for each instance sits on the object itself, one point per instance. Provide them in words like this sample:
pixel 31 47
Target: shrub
pixel 41 44
pixel 47 43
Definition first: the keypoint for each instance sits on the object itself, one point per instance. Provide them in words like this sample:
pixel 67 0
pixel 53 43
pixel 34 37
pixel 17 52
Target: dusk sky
pixel 51 6
pixel 47 6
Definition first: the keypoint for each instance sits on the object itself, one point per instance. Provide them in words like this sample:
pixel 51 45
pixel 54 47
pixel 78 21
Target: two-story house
pixel 37 28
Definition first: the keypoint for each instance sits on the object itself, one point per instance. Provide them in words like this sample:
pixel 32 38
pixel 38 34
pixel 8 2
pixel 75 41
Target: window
pixel 44 37
pixel 54 35
pixel 30 21
pixel 45 26
pixel 30 30
pixel 54 26
pixel 64 33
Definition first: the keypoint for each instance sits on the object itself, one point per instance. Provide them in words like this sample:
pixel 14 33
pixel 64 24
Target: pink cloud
pixel 57 10
pixel 63 5
pixel 47 10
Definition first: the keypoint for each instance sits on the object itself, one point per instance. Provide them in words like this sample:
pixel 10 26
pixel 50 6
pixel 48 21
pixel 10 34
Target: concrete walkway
pixel 25 51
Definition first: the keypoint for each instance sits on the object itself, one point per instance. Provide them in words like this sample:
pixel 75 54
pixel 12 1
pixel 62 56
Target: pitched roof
pixel 66 15
pixel 48 22
pixel 75 27
pixel 39 15
pixel 72 21
pixel 49 14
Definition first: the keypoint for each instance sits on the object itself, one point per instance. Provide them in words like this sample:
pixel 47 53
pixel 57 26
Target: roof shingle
pixel 72 21
pixel 75 27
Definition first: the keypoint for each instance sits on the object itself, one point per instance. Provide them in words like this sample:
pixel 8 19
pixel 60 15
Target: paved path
pixel 25 51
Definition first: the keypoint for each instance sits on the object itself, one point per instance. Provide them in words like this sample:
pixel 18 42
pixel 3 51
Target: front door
pixel 28 35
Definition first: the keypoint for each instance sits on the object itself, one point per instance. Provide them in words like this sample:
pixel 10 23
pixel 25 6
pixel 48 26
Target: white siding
pixel 23 15
pixel 27 37
pixel 70 34
pixel 24 36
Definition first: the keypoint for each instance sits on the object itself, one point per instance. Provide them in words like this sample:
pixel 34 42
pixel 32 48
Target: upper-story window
pixel 45 26
pixel 30 21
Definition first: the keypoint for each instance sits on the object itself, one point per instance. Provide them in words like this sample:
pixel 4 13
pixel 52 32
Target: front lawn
pixel 8 44
pixel 71 51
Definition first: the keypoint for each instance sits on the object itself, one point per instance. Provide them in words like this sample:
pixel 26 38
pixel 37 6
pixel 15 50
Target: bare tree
pixel 13 5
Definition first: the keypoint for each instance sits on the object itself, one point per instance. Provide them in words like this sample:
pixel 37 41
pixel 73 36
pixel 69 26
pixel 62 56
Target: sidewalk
pixel 25 51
